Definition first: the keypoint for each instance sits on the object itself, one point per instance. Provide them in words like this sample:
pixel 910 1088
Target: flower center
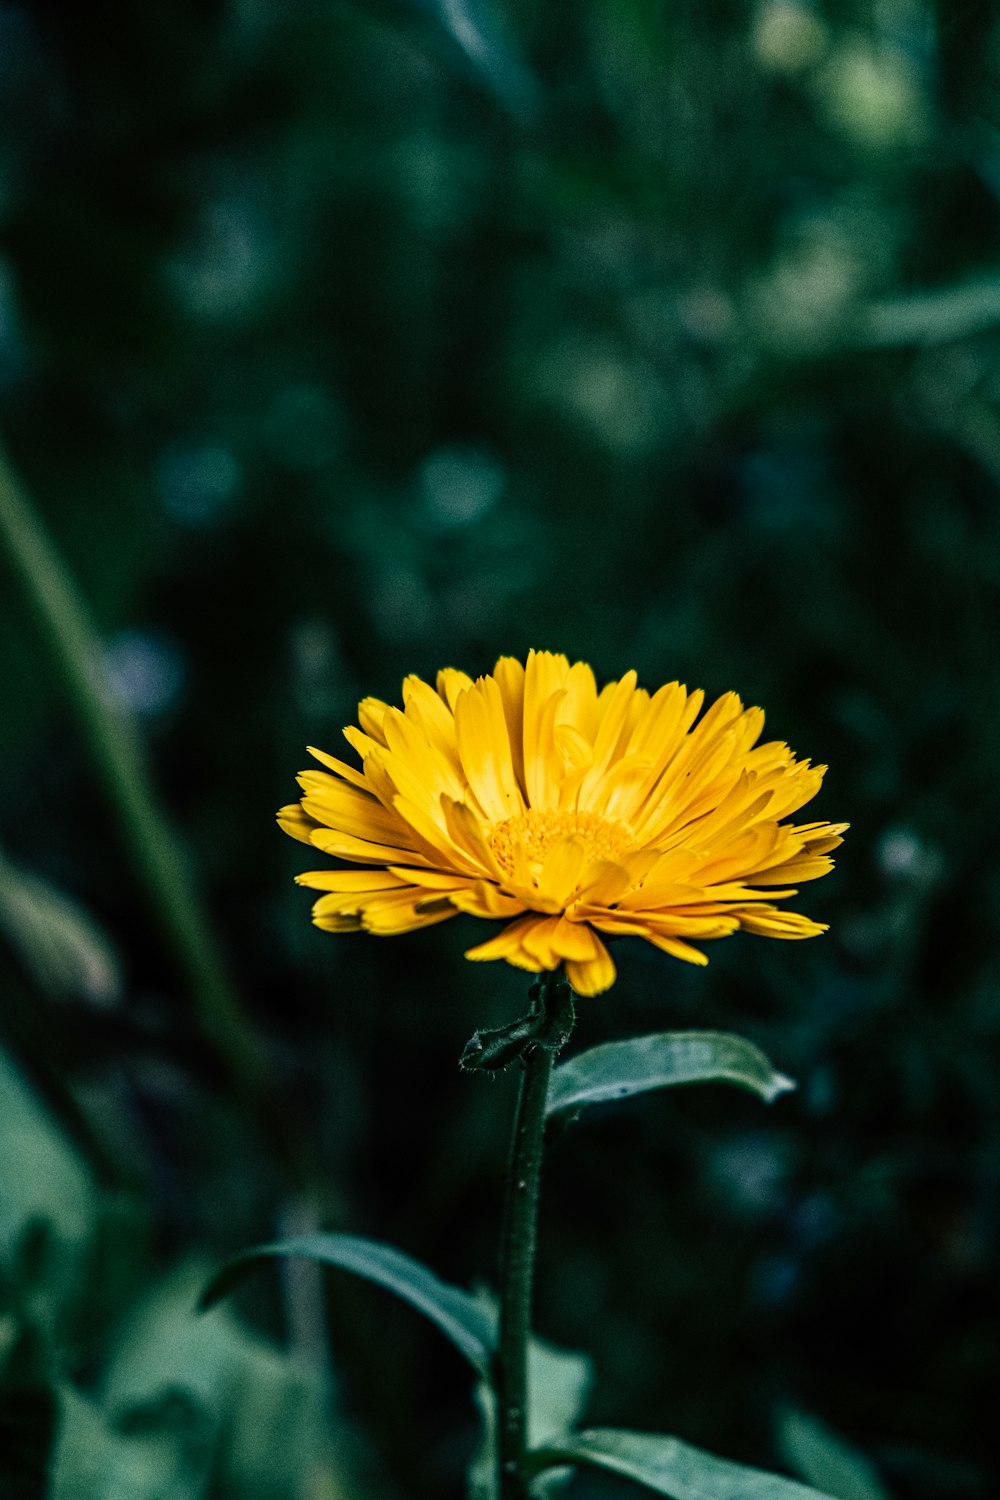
pixel 537 831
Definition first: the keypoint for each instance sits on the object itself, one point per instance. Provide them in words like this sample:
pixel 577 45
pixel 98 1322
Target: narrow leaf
pixel 482 1475
pixel 934 317
pixel 459 1315
pixel 59 944
pixel 809 1447
pixel 476 32
pixel 617 1069
pixel 667 1466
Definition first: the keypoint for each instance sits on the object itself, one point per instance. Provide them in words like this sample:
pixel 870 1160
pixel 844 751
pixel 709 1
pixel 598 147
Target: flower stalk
pixel 553 1018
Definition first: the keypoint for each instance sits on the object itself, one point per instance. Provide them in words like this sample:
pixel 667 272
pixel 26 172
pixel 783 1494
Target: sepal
pixel 549 1024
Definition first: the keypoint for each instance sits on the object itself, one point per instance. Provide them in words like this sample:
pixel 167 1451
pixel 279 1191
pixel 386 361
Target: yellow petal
pixel 294 822
pixel 339 922
pixel 427 710
pixel 594 975
pixel 613 708
pixel 371 715
pixel 544 690
pixel 772 921
pixel 579 707
pixel 562 869
pixel 577 750
pixel 431 880
pixel 361 742
pixel 431 835
pixel 605 881
pixel 509 677
pixel 677 949
pixel 363 851
pixel 537 942
pixel 576 942
pixel 505 944
pixel 413 761
pixel 387 919
pixel 353 880
pixel 468 835
pixel 357 778
pixel 341 806
pixel 450 683
pixel 484 750
pixel 795 869
pixel 481 899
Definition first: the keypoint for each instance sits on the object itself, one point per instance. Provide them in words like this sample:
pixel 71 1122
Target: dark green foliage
pixel 461 1317
pixel 668 1467
pixel 335 345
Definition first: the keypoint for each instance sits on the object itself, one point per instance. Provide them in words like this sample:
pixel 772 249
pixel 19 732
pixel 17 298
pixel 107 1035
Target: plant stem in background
pixel 120 759
pixel 517 1246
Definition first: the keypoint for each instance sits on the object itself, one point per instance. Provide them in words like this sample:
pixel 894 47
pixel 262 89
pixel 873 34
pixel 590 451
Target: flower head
pixel 530 797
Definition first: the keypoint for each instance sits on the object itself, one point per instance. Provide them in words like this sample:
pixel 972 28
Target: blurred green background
pixel 342 340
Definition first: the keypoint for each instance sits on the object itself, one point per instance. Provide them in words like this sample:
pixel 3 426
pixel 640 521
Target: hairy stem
pixel 517 1246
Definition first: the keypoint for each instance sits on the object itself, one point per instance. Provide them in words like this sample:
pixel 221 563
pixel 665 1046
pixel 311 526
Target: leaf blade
pixel 617 1070
pixel 669 1467
pixel 459 1315
pixel 559 1382
pixel 822 1456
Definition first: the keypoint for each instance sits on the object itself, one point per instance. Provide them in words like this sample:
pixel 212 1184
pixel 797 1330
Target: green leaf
pixel 461 1316
pixel 476 31
pixel 28 1409
pixel 823 1458
pixel 667 1466
pixel 58 942
pixel 618 1069
pixel 483 1473
pixel 96 1461
pixel 48 1205
pixel 559 1382
pixel 935 317
pixel 190 1407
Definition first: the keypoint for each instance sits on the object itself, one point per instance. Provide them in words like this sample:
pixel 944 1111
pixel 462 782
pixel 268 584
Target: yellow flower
pixel 530 797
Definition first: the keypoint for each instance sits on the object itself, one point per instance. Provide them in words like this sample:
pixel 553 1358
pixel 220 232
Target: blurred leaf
pixel 823 1458
pixel 482 1475
pixel 47 1203
pixel 461 1317
pixel 470 27
pixel 59 943
pixel 616 1070
pixel 95 1461
pixel 936 317
pixel 670 1467
pixel 558 1385
pixel 191 1402
pixel 28 1410
pixel 559 1381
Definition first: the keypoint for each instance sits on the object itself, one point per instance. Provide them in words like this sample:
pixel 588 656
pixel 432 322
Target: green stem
pixel 120 759
pixel 518 1241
